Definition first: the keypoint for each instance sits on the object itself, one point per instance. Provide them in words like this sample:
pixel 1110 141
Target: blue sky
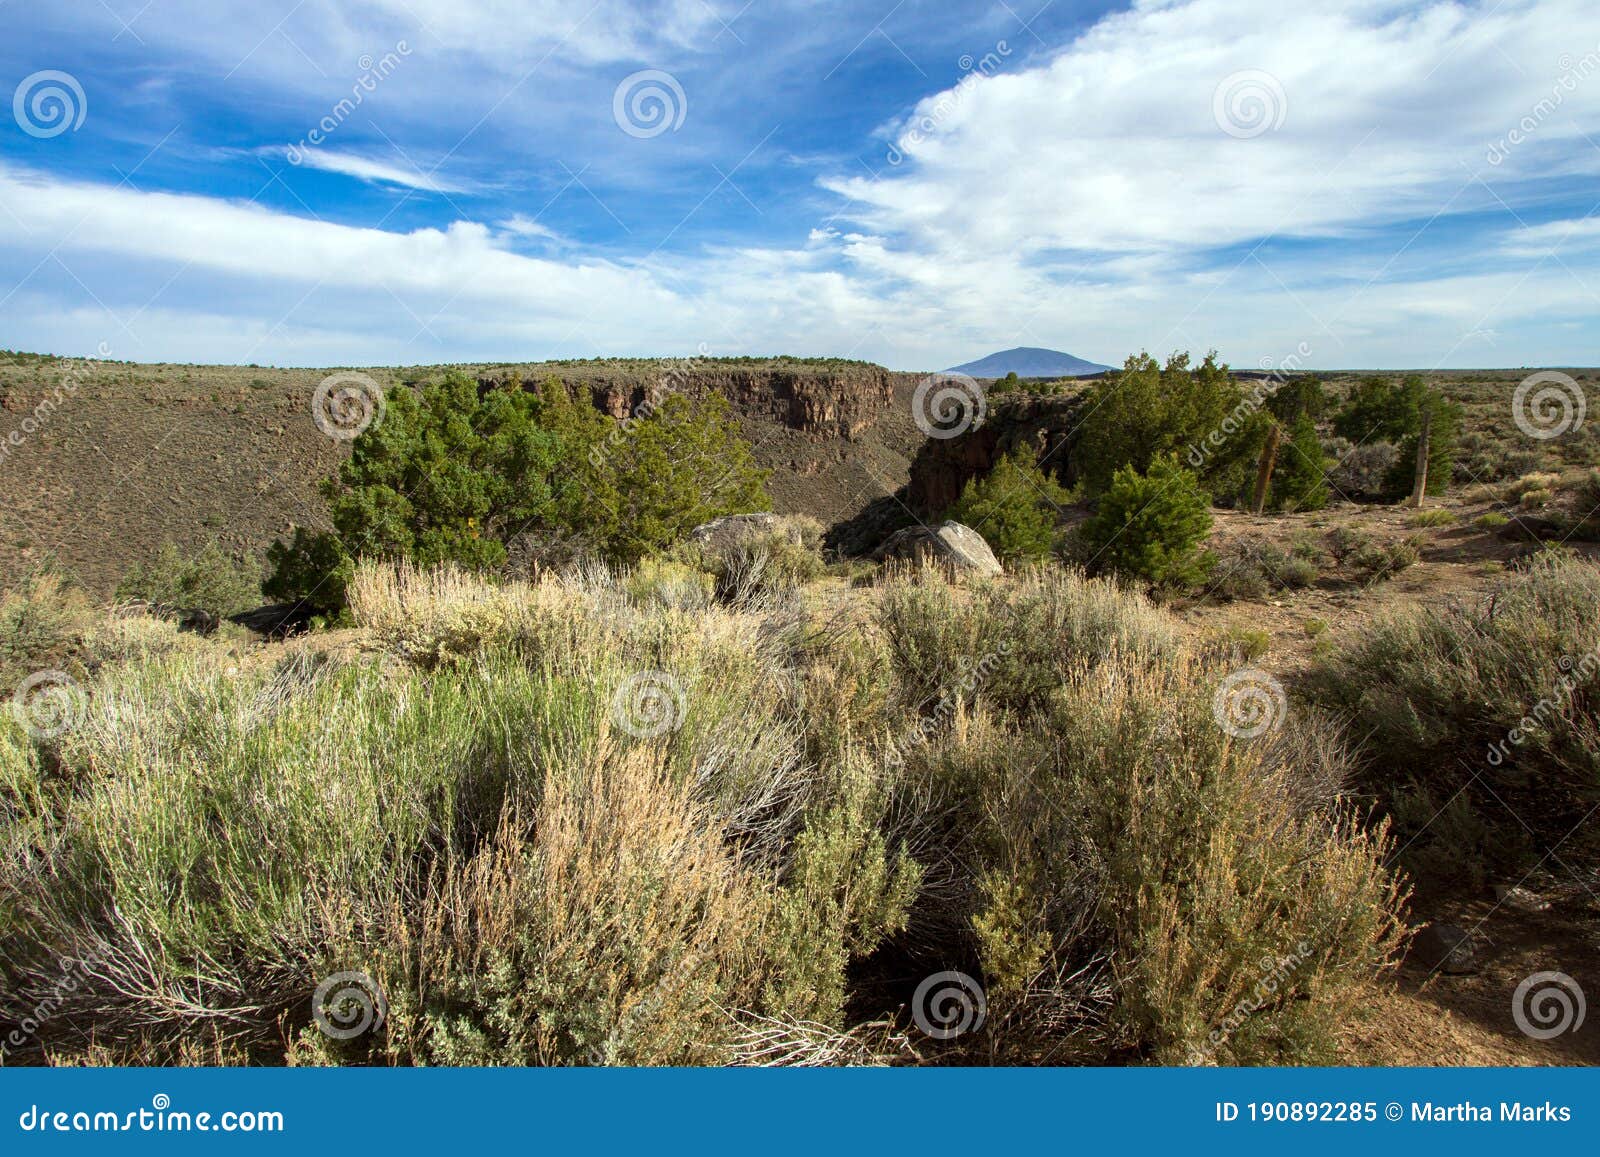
pixel 1365 184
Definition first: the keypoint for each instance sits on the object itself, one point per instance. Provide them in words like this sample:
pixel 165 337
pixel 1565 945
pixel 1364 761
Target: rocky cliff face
pixel 828 403
pixel 1047 426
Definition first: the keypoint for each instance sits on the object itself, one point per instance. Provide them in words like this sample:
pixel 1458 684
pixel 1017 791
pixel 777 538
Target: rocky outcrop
pixel 843 401
pixel 723 533
pixel 950 544
pixel 1047 426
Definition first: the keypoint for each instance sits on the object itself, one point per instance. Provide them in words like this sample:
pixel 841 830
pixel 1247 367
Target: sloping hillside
pixel 101 462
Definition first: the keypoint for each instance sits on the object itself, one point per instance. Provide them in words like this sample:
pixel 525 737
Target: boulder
pixel 720 534
pixel 950 543
pixel 1445 948
pixel 1520 899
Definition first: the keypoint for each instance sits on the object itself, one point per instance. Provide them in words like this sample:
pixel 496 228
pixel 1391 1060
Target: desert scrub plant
pixel 670 583
pixel 1010 642
pixel 42 624
pixel 208 581
pixel 530 872
pixel 1251 567
pixel 1434 516
pixel 1359 470
pixel 1371 560
pixel 1125 865
pixel 1505 690
pixel 763 567
pixel 1585 519
pixel 1490 520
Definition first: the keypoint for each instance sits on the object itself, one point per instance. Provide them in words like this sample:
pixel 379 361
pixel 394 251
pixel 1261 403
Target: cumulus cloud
pixel 1093 199
pixel 1121 142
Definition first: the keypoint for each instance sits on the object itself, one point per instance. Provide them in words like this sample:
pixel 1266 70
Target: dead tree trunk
pixel 1269 459
pixel 1420 489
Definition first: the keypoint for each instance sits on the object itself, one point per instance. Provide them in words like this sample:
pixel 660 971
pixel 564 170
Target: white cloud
pixel 1089 202
pixel 1115 144
pixel 368 169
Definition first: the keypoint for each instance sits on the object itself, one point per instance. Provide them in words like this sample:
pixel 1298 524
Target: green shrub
pixel 1495 702
pixel 1196 897
pixel 1490 520
pixel 311 569
pixel 1250 568
pixel 1016 507
pixel 1149 412
pixel 456 473
pixel 1300 480
pixel 207 581
pixel 765 566
pixel 43 620
pixel 1434 516
pixel 1375 561
pixel 1150 526
pixel 1380 409
pixel 1246 644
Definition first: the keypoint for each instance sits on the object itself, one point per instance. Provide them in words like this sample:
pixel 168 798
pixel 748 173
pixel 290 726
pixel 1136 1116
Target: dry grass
pixel 468 801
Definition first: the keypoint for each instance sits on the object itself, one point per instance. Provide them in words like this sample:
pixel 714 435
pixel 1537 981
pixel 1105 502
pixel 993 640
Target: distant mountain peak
pixel 1029 362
